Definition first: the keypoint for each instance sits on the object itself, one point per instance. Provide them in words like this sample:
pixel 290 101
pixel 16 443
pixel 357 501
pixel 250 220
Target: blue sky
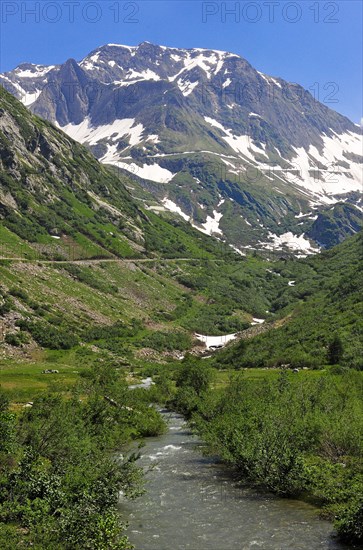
pixel 315 43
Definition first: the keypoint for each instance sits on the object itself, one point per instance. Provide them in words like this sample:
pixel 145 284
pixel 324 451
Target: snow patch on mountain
pixel 269 79
pixel 291 241
pixel 302 215
pixel 322 173
pixel 210 62
pixel 240 144
pixel 86 133
pixel 211 225
pixel 154 138
pixel 172 207
pixel 130 48
pixel 148 74
pixel 152 172
pixel 216 341
pixel 325 172
pixel 257 321
pixel 30 97
pixel 36 71
pixel 186 87
pixel 26 97
pixel 237 250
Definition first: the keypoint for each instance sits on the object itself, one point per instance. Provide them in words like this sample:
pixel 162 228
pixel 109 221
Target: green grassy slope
pixel 325 302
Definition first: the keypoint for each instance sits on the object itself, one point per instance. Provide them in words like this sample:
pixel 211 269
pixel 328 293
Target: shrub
pixel 167 341
pixel 335 351
pixel 19 293
pixel 6 305
pixel 17 338
pixel 349 523
pixel 194 374
pixel 49 336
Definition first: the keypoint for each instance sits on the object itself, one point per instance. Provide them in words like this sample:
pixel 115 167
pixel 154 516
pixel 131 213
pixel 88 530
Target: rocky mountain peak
pixel 211 127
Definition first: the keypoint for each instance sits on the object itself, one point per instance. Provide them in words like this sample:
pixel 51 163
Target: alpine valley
pixel 180 273
pixel 103 306
pixel 254 160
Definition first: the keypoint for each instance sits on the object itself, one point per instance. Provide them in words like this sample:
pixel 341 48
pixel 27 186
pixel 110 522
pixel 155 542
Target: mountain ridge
pixel 200 126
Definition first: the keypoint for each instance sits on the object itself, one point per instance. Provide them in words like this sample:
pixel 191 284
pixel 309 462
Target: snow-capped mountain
pixel 250 158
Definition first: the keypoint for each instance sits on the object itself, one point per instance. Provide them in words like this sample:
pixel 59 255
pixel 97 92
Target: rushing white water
pixel 194 503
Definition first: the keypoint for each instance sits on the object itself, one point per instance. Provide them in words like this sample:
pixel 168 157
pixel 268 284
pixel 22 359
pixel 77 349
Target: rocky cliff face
pixel 248 157
pixel 54 192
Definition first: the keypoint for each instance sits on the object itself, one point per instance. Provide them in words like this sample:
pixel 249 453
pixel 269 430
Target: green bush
pixel 5 304
pixel 349 523
pixel 195 374
pixel 167 341
pixel 118 330
pixel 19 293
pixel 49 336
pixel 17 338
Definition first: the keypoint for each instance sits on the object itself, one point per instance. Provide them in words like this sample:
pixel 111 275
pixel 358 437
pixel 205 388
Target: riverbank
pixel 59 481
pixel 194 502
pixel 296 435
